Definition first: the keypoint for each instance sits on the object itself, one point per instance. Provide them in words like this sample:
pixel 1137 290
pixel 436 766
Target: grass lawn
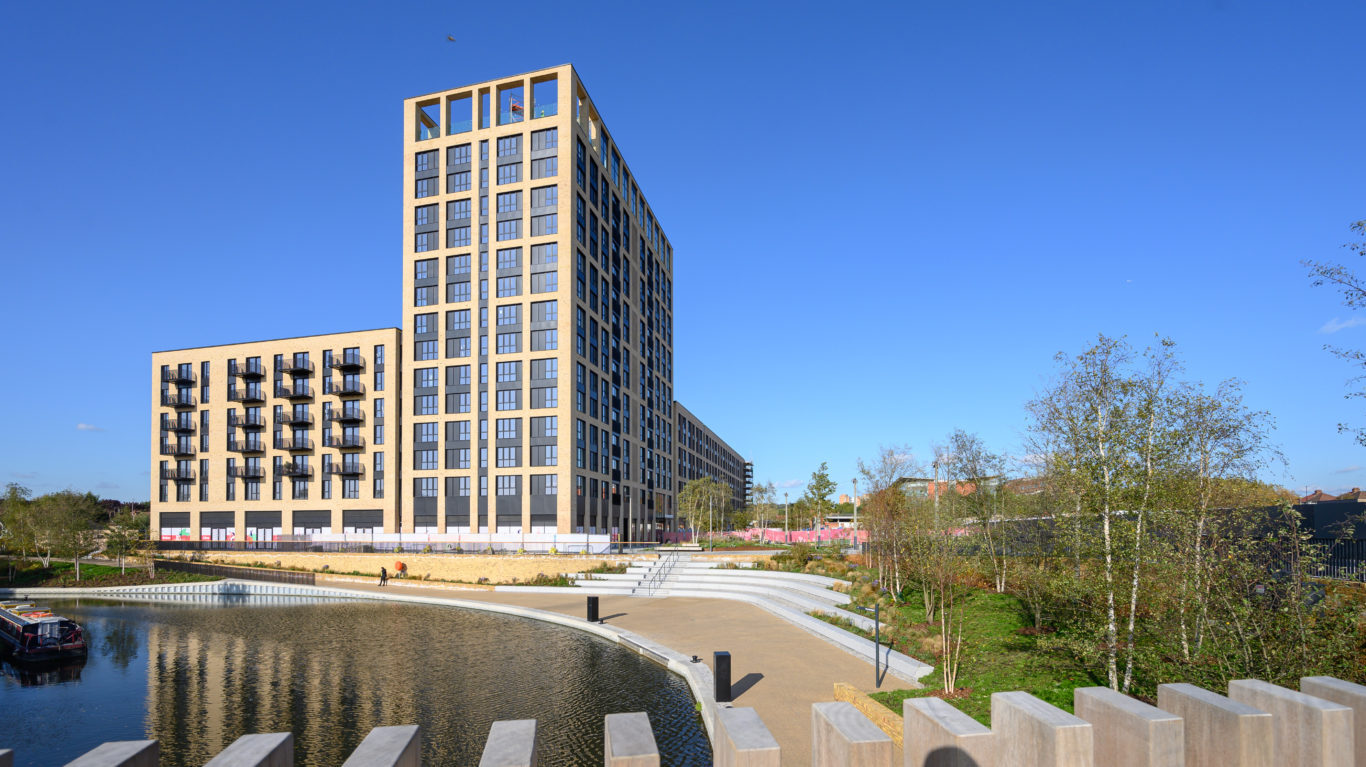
pixel 996 658
pixel 63 575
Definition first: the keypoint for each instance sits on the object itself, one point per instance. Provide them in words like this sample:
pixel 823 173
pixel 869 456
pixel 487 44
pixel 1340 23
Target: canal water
pixel 195 676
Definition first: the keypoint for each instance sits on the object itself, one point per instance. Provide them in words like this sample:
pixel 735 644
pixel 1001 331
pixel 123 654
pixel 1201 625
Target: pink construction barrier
pixel 772 535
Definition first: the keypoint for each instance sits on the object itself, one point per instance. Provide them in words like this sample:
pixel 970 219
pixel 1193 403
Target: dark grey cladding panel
pixel 263 519
pixel 509 510
pixel 543 505
pixel 312 518
pixel 175 519
pixel 217 519
pixel 424 507
pixel 458 505
pixel 362 517
pixel 425 520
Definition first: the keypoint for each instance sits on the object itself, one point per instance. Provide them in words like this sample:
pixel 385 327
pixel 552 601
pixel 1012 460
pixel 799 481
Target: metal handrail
pixel 661 574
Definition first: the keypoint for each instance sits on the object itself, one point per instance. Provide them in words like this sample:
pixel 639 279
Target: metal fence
pixel 1343 560
pixel 243 573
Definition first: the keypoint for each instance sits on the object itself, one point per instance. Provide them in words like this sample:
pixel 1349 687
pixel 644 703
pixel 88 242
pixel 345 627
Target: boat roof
pixel 21 615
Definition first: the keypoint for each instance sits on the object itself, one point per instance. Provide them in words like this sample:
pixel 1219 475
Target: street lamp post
pixel 786 538
pixel 856 540
pixel 711 526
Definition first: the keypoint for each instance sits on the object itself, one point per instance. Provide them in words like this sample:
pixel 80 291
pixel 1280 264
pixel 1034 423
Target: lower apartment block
pixel 294 436
pixel 703 454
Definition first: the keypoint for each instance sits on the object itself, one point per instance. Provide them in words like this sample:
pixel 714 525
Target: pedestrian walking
pixel 383 576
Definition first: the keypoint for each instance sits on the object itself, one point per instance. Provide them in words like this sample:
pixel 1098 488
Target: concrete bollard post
pixel 1129 733
pixel 511 744
pixel 841 736
pixel 120 753
pixel 270 750
pixel 935 734
pixel 1219 732
pixel 399 746
pixel 1031 733
pixel 742 740
pixel 720 669
pixel 1347 694
pixel 629 742
pixel 1307 731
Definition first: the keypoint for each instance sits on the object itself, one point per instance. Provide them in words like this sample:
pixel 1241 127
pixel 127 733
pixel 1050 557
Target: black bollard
pixel 592 609
pixel 721 673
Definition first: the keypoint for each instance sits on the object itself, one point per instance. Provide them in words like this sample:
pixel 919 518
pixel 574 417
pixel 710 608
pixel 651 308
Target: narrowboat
pixel 31 633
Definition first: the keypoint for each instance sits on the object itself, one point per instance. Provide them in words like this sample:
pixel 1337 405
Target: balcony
pixel 252 369
pixel 247 472
pixel 170 424
pixel 297 391
pixel 178 474
pixel 293 367
pixel 295 419
pixel 247 446
pixel 250 394
pixel 347 469
pixel 178 399
pixel 346 389
pixel 297 443
pixel 296 470
pixel 347 415
pixel 177 377
pixel 247 421
pixel 348 361
pixel 177 448
pixel 346 443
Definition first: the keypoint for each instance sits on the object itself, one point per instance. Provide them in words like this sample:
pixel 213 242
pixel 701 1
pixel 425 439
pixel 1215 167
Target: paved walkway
pixel 777 669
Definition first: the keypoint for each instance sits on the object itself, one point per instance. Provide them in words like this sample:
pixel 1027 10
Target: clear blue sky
pixel 927 202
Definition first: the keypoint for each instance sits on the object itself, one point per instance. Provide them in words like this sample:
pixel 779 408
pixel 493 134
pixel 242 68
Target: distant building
pixel 1319 496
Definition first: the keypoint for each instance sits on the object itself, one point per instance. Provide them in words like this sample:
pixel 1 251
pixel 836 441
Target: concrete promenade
pixel 776 668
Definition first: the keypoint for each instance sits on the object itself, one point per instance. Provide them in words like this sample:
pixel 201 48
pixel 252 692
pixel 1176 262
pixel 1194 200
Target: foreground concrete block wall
pixel 935 734
pixel 1128 732
pixel 1307 731
pixel 1219 732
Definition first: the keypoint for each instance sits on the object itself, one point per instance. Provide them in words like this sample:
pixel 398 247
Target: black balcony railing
pixel 178 399
pixel 345 388
pixel 298 368
pixel 295 470
pixel 175 376
pixel 346 442
pixel 294 419
pixel 171 424
pixel 249 394
pixel 297 391
pixel 347 468
pixel 178 474
pixel 247 446
pixel 247 472
pixel 347 414
pixel 177 448
pixel 247 421
pixel 295 443
pixel 348 361
pixel 252 369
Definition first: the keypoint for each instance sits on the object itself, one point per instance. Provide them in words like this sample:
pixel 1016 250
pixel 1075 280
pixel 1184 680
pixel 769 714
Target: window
pixel 509 399
pixel 544 254
pixel 544 225
pixel 545 282
pixel 544 484
pixel 458 182
pixel 458 347
pixel 509 230
pixel 507 457
pixel 424 296
pixel 509 146
pixel 424 459
pixel 509 287
pixel 509 202
pixel 509 315
pixel 544 340
pixel 545 139
pixel 544 311
pixel 424 404
pixel 462 402
pixel 509 343
pixel 457 292
pixel 510 173
pixel 457 210
pixel 545 99
pixel 456 265
pixel 545 370
pixel 541 197
pixel 424 487
pixel 484 177
pixel 424 323
pixel 483 285
pixel 426 378
pixel 509 428
pixel 425 187
pixel 424 241
pixel 509 258
pixel 458 375
pixel 425 160
pixel 458 237
pixel 545 426
pixel 424 215
pixel 424 350
pixel 462 486
pixel 460 458
pixel 545 397
pixel 458 155
pixel 545 167
pixel 509 371
pixel 508 485
pixel 458 319
pixel 545 455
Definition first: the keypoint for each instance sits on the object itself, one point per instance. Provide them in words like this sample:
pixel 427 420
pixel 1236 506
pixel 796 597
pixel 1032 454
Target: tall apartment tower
pixel 538 317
